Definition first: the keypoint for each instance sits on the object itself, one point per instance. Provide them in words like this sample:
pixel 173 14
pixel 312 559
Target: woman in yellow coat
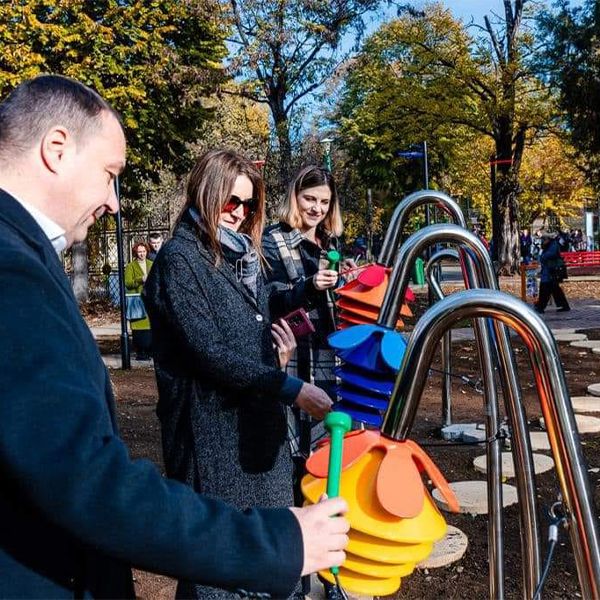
pixel 136 273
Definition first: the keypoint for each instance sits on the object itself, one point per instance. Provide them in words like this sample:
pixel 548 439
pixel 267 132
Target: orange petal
pixel 439 481
pixel 399 487
pixel 356 444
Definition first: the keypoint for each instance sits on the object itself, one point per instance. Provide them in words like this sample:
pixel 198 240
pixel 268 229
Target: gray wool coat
pixel 223 423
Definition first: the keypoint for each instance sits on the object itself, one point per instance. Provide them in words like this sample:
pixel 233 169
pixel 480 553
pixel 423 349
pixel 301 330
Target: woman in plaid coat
pixel 296 250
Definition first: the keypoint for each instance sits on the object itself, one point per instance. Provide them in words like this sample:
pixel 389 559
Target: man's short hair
pixel 37 104
pixel 155 236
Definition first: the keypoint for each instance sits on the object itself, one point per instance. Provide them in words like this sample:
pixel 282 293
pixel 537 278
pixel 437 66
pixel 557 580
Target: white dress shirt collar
pixel 54 232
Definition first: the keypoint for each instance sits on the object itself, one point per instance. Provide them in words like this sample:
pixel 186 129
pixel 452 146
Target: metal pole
pixel 125 356
pixel 393 235
pixel 434 281
pixel 369 225
pixel 425 167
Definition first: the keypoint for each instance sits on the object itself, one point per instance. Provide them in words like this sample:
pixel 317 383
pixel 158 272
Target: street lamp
pixel 125 355
pixel 326 143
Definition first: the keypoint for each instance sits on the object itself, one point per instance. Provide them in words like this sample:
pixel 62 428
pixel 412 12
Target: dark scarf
pixel 238 252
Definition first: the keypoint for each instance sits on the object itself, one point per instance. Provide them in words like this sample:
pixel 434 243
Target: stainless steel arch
pixel 554 401
pixel 400 218
pixel 493 341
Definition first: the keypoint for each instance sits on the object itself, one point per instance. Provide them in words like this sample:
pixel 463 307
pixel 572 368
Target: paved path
pixel 584 314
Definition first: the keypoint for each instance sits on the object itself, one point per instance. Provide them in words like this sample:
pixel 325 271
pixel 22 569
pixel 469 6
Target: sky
pixel 465 9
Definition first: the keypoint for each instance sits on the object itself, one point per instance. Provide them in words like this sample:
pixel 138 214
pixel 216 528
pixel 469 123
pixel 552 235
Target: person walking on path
pixel 222 396
pixel 551 276
pixel 75 510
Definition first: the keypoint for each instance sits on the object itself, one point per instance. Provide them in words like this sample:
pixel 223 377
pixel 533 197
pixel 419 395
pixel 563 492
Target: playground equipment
pixel 392 527
pixel 495 354
pixel 554 400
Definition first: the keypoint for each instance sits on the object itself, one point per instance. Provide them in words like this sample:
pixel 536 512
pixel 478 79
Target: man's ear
pixel 56 145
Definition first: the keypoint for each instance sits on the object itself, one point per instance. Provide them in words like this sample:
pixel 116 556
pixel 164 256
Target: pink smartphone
pixel 299 323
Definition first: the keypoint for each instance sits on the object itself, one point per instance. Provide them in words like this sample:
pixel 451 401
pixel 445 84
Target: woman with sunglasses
pixel 222 397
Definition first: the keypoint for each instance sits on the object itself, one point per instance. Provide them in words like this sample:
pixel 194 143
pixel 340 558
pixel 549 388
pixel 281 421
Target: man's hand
pixel 325 279
pixel 324 538
pixel 313 400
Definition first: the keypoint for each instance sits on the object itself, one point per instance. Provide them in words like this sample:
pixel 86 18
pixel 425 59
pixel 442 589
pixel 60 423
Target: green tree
pixel 423 76
pixel 284 51
pixel 153 61
pixel 571 60
pixel 238 124
pixel 552 181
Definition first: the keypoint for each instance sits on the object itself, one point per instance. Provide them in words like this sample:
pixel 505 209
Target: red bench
pixel 581 259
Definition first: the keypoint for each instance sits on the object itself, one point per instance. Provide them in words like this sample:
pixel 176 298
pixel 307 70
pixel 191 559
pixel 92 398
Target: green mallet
pixel 338 424
pixel 334 257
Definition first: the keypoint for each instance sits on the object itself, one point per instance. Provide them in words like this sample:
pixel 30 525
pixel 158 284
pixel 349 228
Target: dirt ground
pixel 468 578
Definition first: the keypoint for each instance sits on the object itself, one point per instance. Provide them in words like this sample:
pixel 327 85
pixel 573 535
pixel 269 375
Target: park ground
pixel 136 401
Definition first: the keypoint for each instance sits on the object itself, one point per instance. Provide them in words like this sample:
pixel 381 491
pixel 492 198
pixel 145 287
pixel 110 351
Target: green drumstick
pixel 334 257
pixel 337 423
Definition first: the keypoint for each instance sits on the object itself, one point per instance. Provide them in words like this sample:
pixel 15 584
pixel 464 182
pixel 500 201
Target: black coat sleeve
pixel 60 455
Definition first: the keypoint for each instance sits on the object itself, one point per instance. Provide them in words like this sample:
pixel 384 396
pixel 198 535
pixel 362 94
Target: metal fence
pixel 103 271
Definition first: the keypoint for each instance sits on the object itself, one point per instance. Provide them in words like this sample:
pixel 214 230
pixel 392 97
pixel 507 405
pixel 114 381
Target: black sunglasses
pixel 250 205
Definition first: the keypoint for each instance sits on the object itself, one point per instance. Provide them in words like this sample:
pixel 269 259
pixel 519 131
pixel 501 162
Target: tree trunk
pixel 284 170
pixel 80 272
pixel 505 225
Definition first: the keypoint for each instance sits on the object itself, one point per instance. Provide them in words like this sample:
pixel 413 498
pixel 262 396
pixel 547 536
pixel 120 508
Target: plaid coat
pixel 292 262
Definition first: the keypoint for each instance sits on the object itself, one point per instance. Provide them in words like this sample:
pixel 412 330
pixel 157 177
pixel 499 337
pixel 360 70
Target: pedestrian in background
pixel 155 241
pixel 136 273
pixel 552 274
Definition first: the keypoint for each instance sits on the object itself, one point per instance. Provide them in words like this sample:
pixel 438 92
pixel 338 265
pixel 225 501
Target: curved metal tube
pixel 446 253
pixel 554 401
pixel 430 273
pixel 479 272
pixel 400 218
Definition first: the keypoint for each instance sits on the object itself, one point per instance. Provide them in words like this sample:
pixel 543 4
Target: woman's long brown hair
pixel 208 190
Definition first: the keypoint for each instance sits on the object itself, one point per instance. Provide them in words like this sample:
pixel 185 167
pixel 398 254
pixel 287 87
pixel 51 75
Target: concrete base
pixel 113 361
pixel 559 330
pixel 541 464
pixel 570 337
pixel 596 350
pixel 448 550
pixel 586 404
pixel 475 435
pixel 472 496
pixel 539 440
pixel 594 389
pixel 589 344
pixel 456 431
pixel 585 424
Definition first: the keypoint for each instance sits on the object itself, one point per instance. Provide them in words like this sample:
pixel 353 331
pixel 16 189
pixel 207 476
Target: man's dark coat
pixel 75 511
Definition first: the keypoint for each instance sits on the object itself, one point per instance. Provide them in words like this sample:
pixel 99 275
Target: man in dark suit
pixel 75 510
